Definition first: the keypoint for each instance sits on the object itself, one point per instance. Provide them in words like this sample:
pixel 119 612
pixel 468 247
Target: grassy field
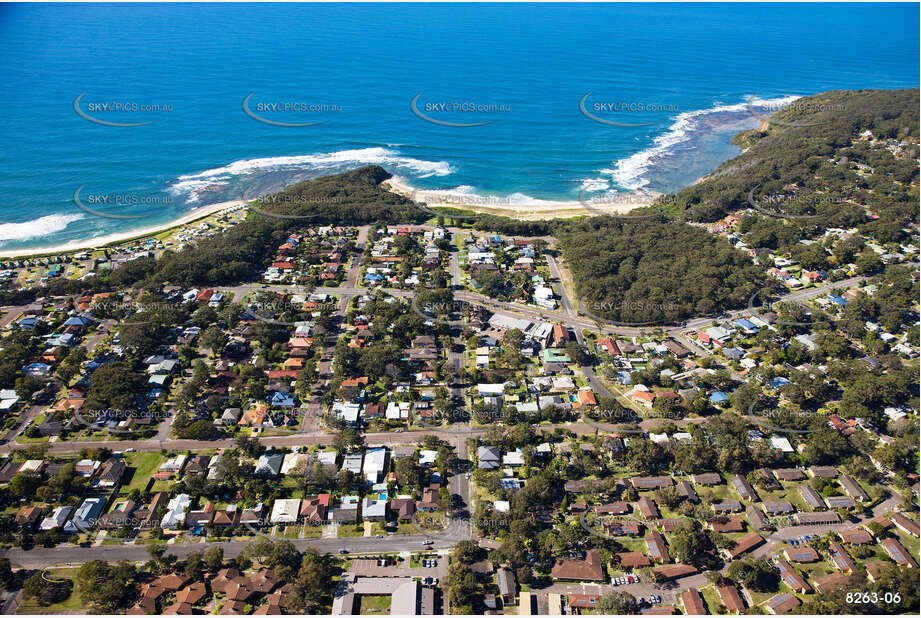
pixel 144 465
pixel 347 530
pixel 711 598
pixel 72 605
pixel 374 604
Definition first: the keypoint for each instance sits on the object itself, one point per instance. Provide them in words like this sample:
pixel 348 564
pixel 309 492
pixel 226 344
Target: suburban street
pixel 456 434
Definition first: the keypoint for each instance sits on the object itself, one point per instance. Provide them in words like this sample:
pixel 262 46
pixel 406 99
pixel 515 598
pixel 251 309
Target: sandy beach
pixel 522 209
pixel 109 239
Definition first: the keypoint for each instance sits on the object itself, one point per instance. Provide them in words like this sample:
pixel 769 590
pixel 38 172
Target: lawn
pixel 374 604
pixel 144 465
pixel 72 605
pixel 347 530
pixel 711 599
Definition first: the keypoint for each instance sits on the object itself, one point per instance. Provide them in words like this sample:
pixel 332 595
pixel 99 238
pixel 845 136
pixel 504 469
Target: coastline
pixel 522 209
pixel 119 237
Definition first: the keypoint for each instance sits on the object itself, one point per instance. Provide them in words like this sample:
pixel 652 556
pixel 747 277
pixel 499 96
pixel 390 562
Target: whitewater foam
pixel 37 227
pixel 194 184
pixel 630 172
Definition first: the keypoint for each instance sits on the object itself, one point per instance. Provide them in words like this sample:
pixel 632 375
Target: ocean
pixel 517 102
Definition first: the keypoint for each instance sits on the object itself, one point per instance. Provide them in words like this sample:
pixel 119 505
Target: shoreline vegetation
pixel 537 210
pixel 118 238
pixel 805 167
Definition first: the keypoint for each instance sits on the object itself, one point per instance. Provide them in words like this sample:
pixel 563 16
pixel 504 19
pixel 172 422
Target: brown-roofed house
pixel 172 581
pixel 192 594
pixel 613 508
pixel 589 569
pixel 233 608
pixel 28 516
pixel 801 554
pixel 657 547
pixel 693 602
pixel 726 524
pixel 742 545
pixel 632 559
pixel 823 472
pixel 643 483
pixel 904 524
pixel 648 508
pixel 898 553
pixel 730 597
pixel 673 571
pixel 789 474
pixel 855 536
pixel 707 478
pixel 791 577
pixel 782 603
pixel 840 558
pixel 833 580
pixel 179 609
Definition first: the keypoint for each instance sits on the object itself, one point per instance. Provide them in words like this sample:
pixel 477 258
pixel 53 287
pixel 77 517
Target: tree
pixel 107 587
pixel 684 544
pixel 617 603
pixel 47 590
pixel 347 439
pixel 313 585
pixel 250 446
pixel 194 565
pixel 758 575
pixel 214 558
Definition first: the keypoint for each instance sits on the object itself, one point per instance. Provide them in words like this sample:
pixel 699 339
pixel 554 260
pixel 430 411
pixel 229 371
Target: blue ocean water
pixel 682 72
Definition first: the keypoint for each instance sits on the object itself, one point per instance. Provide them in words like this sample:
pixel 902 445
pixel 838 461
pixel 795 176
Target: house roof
pixel 693 602
pixel 589 569
pixel 730 597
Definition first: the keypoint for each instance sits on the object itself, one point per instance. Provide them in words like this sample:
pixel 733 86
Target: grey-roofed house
pixel 488 458
pixel 707 478
pixel 269 464
pixel 853 489
pixel 757 519
pixel 811 497
pixel 777 507
pixel 789 474
pixel 744 488
pixel 507 585
pixel 823 472
pixel 352 463
pixel 840 502
pixel 686 491
pixel 814 519
pixel 727 506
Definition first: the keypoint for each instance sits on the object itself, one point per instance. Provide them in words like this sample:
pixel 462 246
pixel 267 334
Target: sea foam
pixel 193 185
pixel 632 172
pixel 37 227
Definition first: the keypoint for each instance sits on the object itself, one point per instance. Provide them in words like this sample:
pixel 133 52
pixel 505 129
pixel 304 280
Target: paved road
pixel 69 554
